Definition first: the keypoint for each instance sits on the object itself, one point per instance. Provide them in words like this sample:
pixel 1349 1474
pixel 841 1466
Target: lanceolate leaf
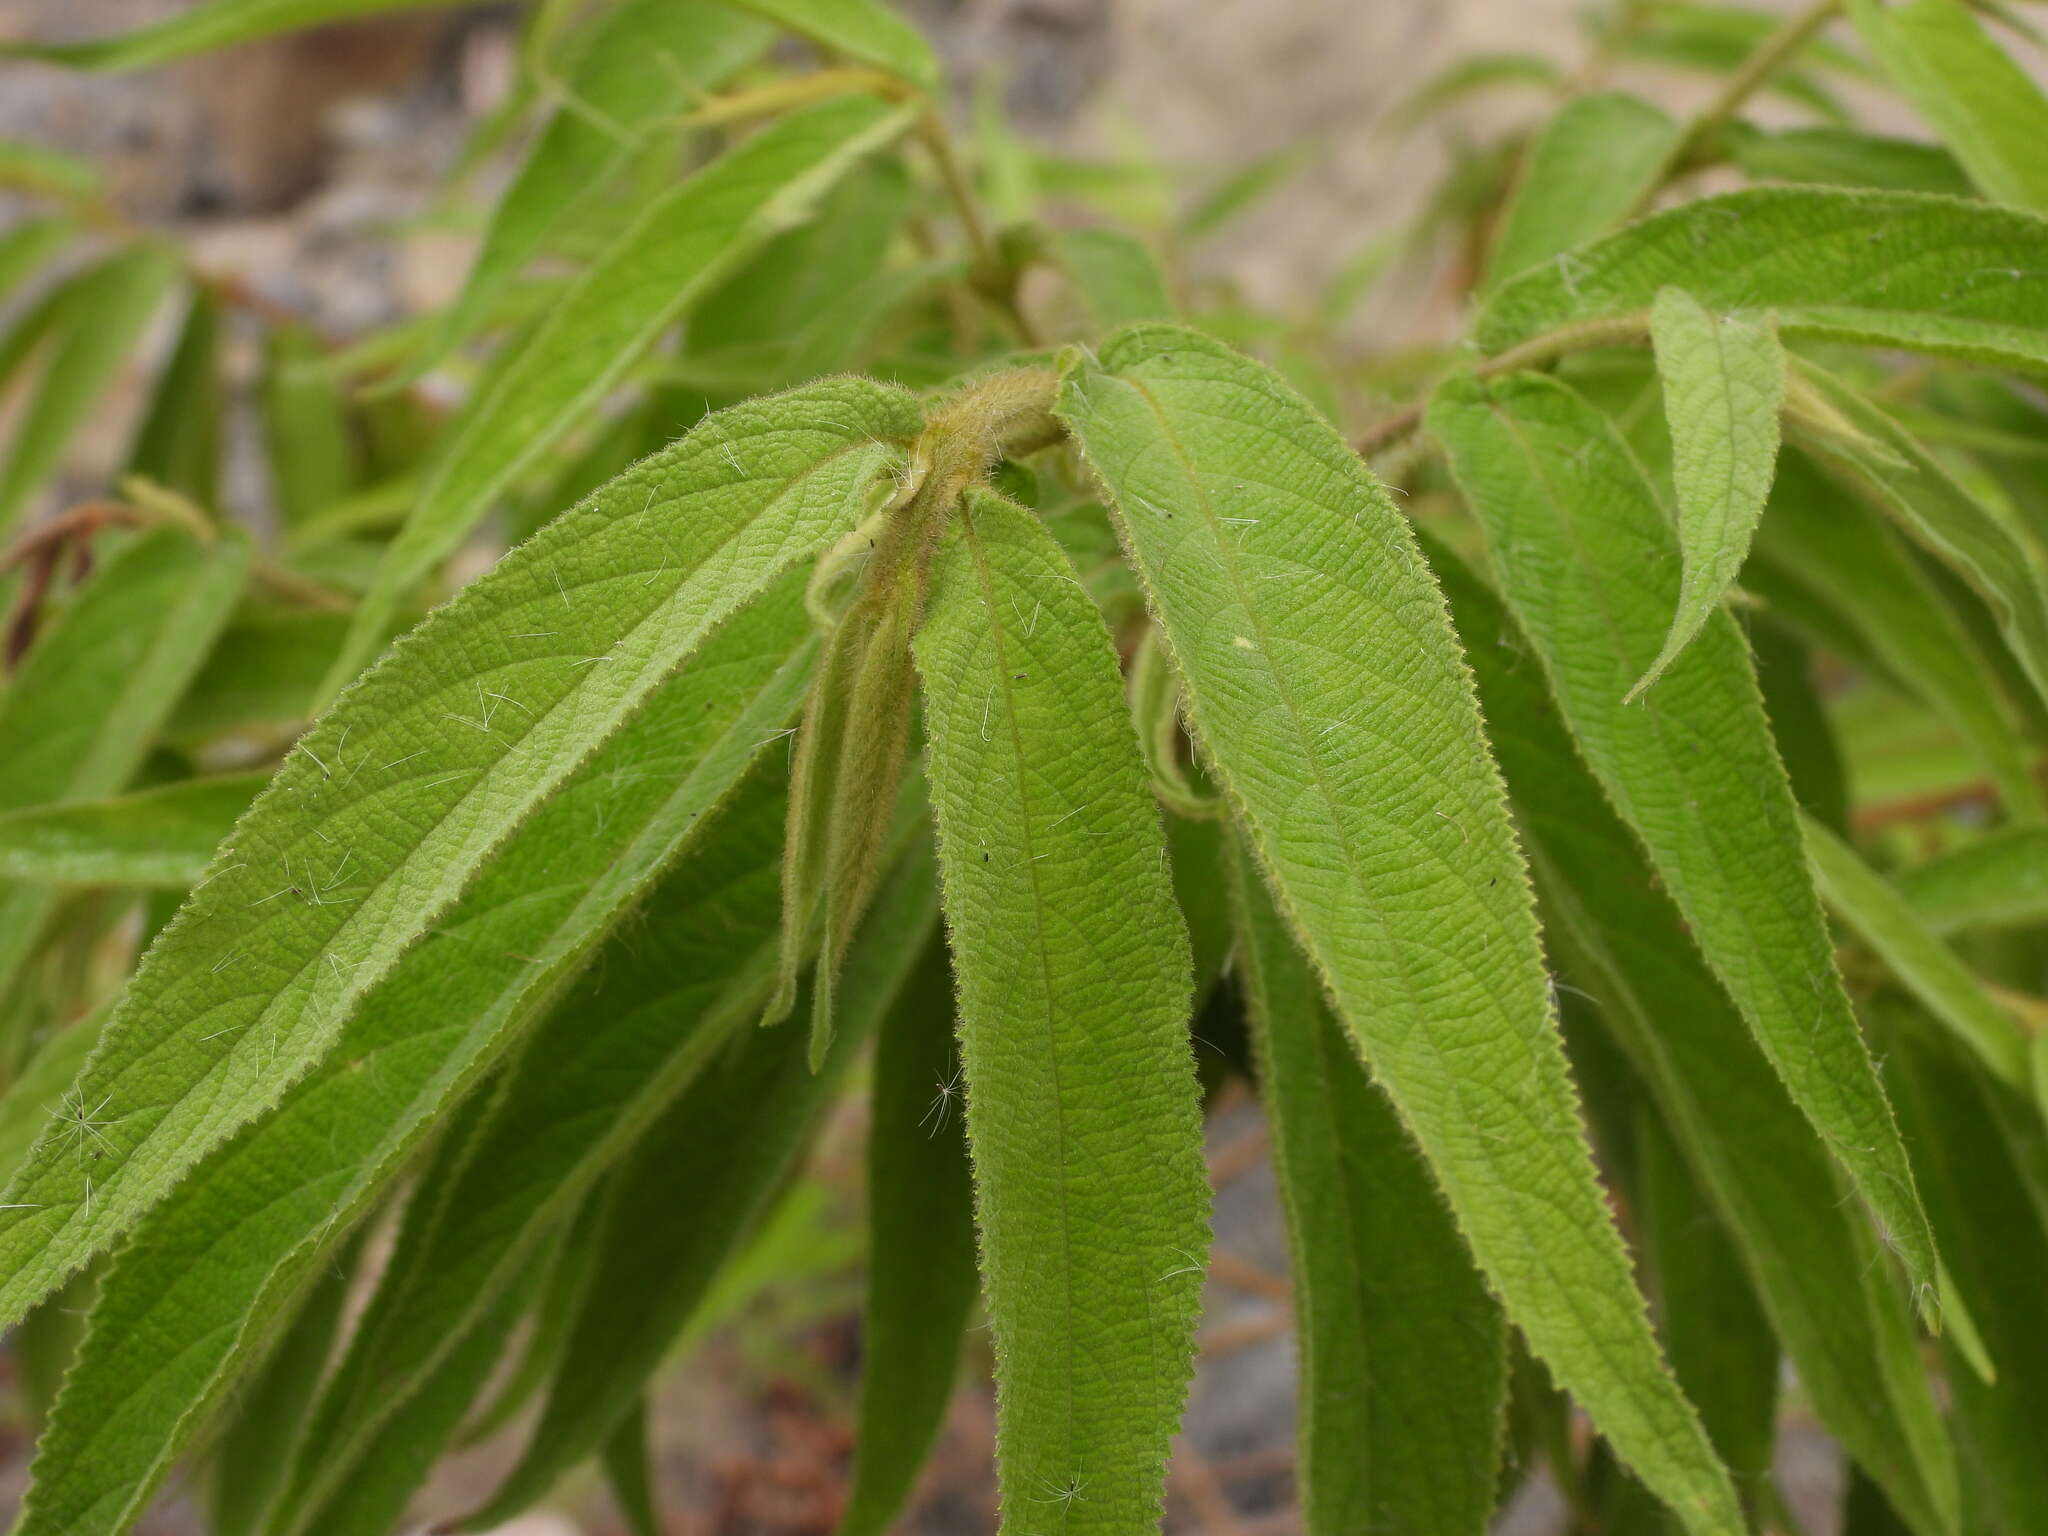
pixel 1724 381
pixel 1326 688
pixel 161 836
pixel 1403 1354
pixel 1721 1343
pixel 1823 537
pixel 673 251
pixel 210 1271
pixel 1816 1265
pixel 92 327
pixel 1843 157
pixel 2000 880
pixel 645 60
pixel 1991 1232
pixel 25 247
pixel 1585 555
pixel 1888 269
pixel 1884 464
pixel 77 720
pixel 921 1276
pixel 702 1176
pixel 178 444
pixel 256 1451
pixel 1970 90
pixel 305 427
pixel 661 1005
pixel 1074 995
pixel 1594 164
pixel 209 25
pixel 393 804
pixel 865 31
pixel 1880 917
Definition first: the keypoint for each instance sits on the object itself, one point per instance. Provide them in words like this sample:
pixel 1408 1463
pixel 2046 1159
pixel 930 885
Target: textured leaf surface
pixel 867 31
pixel 1403 1354
pixel 1891 470
pixel 1814 1260
pixel 154 837
pixel 1971 91
pixel 1585 556
pixel 393 804
pixel 1074 993
pixel 921 1276
pixel 643 61
pixel 674 249
pixel 2000 880
pixel 1592 166
pixel 78 718
pixel 1881 917
pixel 1724 381
pixel 695 1184
pixel 1825 538
pixel 657 1008
pixel 25 1109
pixel 203 27
pixel 240 1234
pixel 1888 269
pixel 92 325
pixel 1326 687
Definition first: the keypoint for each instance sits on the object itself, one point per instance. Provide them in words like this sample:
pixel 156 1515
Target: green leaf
pixel 1074 993
pixel 38 169
pixel 305 427
pixel 629 1475
pixel 679 244
pixel 1594 165
pixel 727 1145
pixel 1724 382
pixel 1830 543
pixel 1403 1354
pixel 1817 1266
pixel 1117 277
pixel 645 61
pixel 1326 689
pixel 1585 555
pixel 257 1447
pixel 91 330
pixel 391 806
pixel 1991 1233
pixel 79 717
pixel 866 31
pixel 261 677
pixel 26 246
pixel 1885 269
pixel 179 442
pixel 1239 193
pixel 1887 467
pixel 1972 93
pixel 1881 918
pixel 1799 722
pixel 197 1289
pixel 661 1006
pixel 1844 157
pixel 1998 881
pixel 155 837
pixel 921 1276
pixel 1721 1344
pixel 202 28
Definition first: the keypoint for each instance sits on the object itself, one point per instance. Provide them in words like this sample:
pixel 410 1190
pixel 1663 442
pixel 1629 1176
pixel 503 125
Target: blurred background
pixel 309 169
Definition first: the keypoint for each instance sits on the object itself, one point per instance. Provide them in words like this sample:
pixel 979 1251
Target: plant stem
pixel 994 279
pixel 1755 72
pixel 1606 331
